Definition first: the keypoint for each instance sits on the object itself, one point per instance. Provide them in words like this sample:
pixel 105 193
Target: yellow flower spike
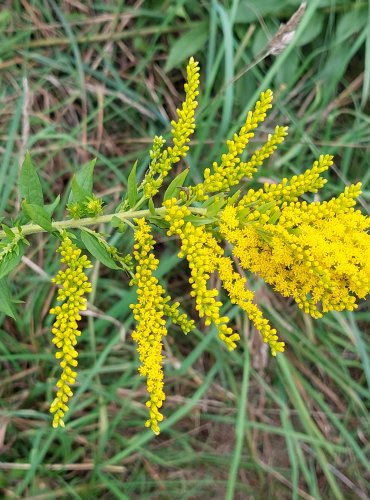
pixel 151 327
pixel 182 128
pixel 202 253
pixel 185 125
pixel 229 172
pixel 235 285
pixel 289 190
pixel 248 169
pixel 172 312
pixel 74 284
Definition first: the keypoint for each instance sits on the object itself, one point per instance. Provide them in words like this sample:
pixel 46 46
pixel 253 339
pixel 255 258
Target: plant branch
pixel 90 221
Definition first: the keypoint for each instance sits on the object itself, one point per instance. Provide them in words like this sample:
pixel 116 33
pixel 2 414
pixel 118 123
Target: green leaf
pixel 151 206
pixel 132 187
pixel 200 221
pixel 78 194
pixel 118 224
pixel 213 209
pixel 38 215
pixel 52 206
pixel 8 232
pixel 175 185
pixel 116 221
pixel 97 249
pixel 158 222
pixel 85 176
pixel 249 12
pixel 83 181
pixel 10 261
pixel 187 45
pixel 29 183
pixel 6 304
pixel 233 198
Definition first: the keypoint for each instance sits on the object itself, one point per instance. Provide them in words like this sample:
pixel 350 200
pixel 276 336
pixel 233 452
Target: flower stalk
pixel 27 229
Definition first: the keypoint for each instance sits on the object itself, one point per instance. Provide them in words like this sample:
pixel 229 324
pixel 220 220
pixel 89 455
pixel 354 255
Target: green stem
pixel 90 221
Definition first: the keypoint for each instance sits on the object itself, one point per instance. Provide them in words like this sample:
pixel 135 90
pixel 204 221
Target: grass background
pixel 99 79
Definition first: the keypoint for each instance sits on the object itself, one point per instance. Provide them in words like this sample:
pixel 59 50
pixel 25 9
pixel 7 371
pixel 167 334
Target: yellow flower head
pixel 74 285
pixel 317 253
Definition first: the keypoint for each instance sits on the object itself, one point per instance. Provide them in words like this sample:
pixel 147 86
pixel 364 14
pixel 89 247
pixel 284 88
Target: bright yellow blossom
pixel 202 253
pixel 229 172
pixel 149 312
pixel 235 285
pixel 289 189
pixel 317 253
pixel 205 256
pixel 74 285
pixel 163 161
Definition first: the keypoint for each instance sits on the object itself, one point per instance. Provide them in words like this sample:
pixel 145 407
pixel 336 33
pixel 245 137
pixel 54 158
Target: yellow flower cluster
pixel 231 170
pixel 235 285
pixel 249 168
pixel 149 313
pixel 162 161
pixel 182 320
pixel 202 253
pixel 153 179
pixel 206 256
pixel 289 189
pixel 317 253
pixel 74 285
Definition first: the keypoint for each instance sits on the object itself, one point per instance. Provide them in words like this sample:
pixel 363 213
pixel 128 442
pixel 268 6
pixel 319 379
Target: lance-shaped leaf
pixel 132 187
pixel 38 215
pixel 175 185
pixel 82 183
pixel 6 303
pixel 29 183
pixel 98 249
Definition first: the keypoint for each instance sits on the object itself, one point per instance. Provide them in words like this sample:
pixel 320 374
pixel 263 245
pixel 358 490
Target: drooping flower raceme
pixel 74 285
pixel 206 256
pixel 150 312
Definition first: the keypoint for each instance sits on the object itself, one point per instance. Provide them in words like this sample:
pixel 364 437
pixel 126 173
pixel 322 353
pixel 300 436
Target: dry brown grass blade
pixel 286 32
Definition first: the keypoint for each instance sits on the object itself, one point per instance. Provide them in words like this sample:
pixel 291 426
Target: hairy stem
pixel 90 221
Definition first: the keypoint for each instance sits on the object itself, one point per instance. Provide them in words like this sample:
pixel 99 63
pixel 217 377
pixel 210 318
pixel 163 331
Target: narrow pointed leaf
pixel 151 206
pixel 6 304
pixel 52 206
pixel 38 215
pixel 78 194
pixel 132 187
pixel 84 180
pixel 29 183
pixel 175 185
pixel 98 250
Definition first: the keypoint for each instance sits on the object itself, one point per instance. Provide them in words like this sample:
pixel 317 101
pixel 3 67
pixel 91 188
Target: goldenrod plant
pixel 317 253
